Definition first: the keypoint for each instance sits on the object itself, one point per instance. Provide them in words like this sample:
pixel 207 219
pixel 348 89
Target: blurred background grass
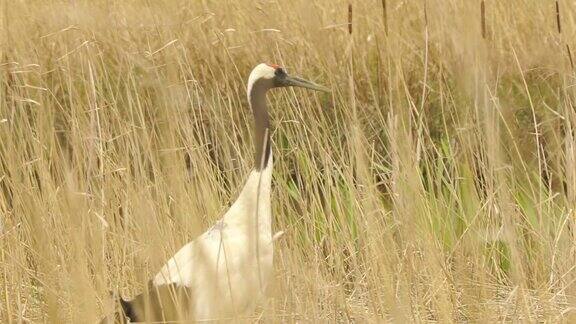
pixel 436 183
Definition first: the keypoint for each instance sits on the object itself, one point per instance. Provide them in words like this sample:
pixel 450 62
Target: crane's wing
pixel 165 303
pixel 196 260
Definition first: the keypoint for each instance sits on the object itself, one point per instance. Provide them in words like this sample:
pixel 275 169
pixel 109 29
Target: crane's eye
pixel 279 72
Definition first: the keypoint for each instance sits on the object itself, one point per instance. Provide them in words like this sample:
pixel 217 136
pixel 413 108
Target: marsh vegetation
pixel 437 182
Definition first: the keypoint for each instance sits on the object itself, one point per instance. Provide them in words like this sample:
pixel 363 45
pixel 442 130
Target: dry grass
pixel 436 183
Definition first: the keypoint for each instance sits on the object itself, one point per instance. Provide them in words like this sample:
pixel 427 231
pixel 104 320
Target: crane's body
pixel 231 263
pixel 224 272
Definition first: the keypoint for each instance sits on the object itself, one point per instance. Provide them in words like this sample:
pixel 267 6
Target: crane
pixel 223 273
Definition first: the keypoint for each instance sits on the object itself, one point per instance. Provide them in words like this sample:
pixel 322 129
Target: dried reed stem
pixel 483 18
pixel 558 25
pixel 350 18
pixel 385 15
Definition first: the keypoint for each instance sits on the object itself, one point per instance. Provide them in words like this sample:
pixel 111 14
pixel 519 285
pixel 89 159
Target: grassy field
pixel 437 182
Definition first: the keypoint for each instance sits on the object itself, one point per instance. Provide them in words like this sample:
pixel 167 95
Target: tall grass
pixel 436 183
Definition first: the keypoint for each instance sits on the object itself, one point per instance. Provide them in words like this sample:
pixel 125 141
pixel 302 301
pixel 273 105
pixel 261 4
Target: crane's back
pixel 227 268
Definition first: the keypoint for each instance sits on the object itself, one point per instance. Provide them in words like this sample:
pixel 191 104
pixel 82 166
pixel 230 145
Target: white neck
pixel 252 209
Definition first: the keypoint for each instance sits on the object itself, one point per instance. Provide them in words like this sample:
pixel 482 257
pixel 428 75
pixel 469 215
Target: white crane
pixel 224 272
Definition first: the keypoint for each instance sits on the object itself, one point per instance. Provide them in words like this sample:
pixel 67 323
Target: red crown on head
pixel 276 66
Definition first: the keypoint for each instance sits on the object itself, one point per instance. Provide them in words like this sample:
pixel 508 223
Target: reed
pixel 436 183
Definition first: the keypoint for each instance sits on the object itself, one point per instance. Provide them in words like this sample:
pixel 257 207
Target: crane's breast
pixel 225 269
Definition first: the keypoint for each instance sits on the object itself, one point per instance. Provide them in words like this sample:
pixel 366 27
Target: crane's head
pixel 274 76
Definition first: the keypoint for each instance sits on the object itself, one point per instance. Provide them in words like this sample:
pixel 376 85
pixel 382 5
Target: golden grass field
pixel 437 182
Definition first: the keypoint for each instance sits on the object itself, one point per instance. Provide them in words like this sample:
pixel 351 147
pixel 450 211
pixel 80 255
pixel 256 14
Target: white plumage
pixel 229 266
pixel 224 272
